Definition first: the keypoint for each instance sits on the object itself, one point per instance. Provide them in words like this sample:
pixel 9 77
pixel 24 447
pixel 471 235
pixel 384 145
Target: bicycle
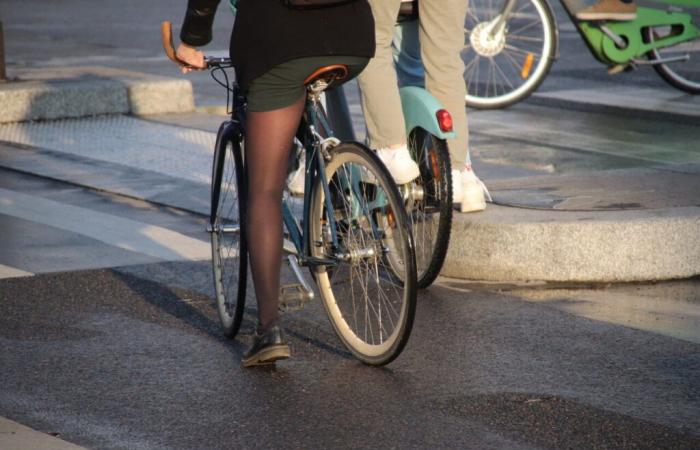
pixel 510 46
pixel 353 221
pixel 428 198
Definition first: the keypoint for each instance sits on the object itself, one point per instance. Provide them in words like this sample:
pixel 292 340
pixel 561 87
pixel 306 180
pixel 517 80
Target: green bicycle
pixel 510 46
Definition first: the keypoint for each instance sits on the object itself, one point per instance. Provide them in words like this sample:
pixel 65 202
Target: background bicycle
pixel 511 45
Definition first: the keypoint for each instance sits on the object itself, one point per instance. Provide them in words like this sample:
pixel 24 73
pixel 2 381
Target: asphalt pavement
pixel 109 360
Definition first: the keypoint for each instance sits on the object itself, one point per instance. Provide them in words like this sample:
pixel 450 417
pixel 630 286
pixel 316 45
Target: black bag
pixel 314 4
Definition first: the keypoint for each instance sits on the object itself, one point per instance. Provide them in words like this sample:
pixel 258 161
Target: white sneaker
pixel 296 179
pixel 469 191
pixel 400 164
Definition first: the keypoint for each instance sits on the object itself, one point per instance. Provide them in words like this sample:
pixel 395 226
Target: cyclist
pixel 441 36
pixel 274 47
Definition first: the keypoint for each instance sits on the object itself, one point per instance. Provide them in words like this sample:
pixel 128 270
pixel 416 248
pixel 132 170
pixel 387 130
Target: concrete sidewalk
pixel 577 197
pixel 57 93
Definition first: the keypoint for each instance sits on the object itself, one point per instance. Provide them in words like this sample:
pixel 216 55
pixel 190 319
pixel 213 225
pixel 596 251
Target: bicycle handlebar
pixel 166 35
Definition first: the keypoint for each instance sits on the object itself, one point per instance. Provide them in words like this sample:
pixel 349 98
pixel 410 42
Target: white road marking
pixel 15 436
pixel 119 232
pixel 11 272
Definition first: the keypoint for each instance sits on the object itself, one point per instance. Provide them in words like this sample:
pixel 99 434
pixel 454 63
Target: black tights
pixel 269 138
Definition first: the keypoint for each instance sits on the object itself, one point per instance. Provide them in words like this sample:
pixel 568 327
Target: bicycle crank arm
pixel 621 43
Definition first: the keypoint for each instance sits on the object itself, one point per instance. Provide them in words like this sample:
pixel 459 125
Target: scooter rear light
pixel 444 120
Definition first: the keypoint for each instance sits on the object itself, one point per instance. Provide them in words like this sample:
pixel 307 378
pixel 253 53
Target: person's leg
pixel 406 50
pixel 441 33
pixel 381 103
pixel 268 141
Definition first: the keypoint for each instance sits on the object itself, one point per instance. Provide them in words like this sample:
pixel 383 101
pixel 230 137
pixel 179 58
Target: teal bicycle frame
pixel 315 119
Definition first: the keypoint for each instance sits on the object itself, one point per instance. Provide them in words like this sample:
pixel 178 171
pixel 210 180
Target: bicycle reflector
pixel 527 66
pixel 444 120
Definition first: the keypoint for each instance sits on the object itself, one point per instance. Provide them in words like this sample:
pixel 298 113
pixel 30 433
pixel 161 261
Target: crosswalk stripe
pixel 119 232
pixel 17 436
pixel 11 272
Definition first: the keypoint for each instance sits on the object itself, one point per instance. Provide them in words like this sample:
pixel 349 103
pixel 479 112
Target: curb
pixel 88 91
pixel 502 244
pixel 515 244
pixel 638 102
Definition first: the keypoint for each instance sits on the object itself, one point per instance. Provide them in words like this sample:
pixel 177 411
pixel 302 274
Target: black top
pixel 267 33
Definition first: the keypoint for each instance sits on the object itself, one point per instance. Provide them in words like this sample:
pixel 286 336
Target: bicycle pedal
pixel 293 297
pixel 614 70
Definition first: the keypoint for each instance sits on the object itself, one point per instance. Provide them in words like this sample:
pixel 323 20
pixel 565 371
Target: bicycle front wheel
pixel 505 61
pixel 370 307
pixel 429 204
pixel 684 72
pixel 228 243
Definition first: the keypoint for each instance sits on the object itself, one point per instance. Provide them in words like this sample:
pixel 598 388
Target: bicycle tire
pixel 504 80
pixel 677 74
pixel 229 248
pixel 376 327
pixel 429 204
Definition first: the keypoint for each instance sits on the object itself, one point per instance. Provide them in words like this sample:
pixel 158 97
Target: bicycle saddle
pixel 328 74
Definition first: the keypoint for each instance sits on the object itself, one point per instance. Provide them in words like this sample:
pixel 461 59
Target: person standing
pixel 441 37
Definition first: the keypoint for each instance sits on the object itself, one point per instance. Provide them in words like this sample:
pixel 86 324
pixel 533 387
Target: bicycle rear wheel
pixel 228 243
pixel 370 308
pixel 429 204
pixel 505 65
pixel 683 75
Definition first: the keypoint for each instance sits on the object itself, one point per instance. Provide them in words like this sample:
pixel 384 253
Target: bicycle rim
pixel 370 308
pixel 507 66
pixel 229 250
pixel 683 75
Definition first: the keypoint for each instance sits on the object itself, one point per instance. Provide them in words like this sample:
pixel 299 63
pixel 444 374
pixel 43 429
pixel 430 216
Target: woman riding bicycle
pixel 274 47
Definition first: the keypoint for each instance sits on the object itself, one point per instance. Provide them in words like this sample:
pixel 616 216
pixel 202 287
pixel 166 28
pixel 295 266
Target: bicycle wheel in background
pixel 428 202
pixel 228 243
pixel 683 75
pixel 505 64
pixel 370 308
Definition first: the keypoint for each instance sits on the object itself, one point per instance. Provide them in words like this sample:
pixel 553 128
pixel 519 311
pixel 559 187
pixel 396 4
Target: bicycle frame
pixel 621 43
pixel 605 49
pixel 313 119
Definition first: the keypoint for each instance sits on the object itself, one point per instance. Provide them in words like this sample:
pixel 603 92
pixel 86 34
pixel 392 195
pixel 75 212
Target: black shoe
pixel 267 348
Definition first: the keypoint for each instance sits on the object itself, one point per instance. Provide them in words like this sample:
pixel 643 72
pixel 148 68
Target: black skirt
pixel 267 33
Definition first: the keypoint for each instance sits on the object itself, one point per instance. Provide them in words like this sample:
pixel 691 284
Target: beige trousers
pixel 441 35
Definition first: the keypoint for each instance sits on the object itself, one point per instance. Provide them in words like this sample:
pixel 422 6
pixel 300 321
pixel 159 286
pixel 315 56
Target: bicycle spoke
pixel 526 27
pixel 366 300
